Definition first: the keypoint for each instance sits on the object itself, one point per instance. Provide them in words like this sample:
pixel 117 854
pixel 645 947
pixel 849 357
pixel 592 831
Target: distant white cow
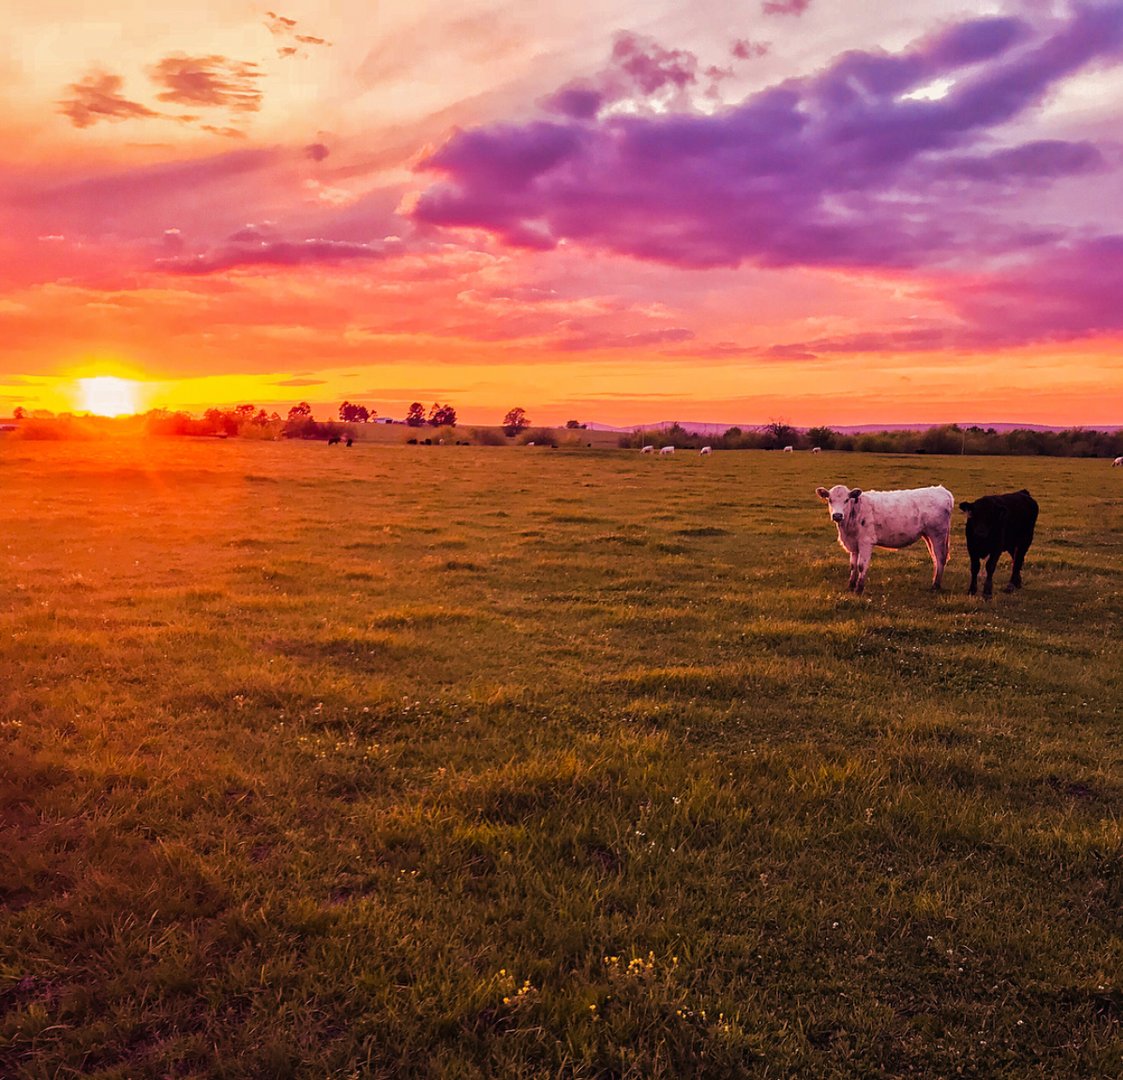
pixel 530 444
pixel 648 450
pixel 667 450
pixel 890 519
pixel 816 449
pixel 706 450
pixel 789 449
pixel 1117 462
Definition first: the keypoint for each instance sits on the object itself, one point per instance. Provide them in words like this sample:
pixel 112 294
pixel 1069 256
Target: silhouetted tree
pixel 780 434
pixel 221 423
pixel 415 415
pixel 575 424
pixel 821 436
pixel 262 418
pixel 244 413
pixel 515 421
pixel 354 414
pixel 442 416
pixel 19 412
pixel 303 411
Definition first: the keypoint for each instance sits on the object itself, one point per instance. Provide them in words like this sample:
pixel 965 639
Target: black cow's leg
pixel 1016 576
pixel 988 585
pixel 974 577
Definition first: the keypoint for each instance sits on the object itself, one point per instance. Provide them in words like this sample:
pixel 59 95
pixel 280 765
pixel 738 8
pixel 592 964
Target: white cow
pixel 648 450
pixel 890 519
pixel 1117 462
pixel 789 449
pixel 530 444
pixel 667 450
pixel 816 449
pixel 706 450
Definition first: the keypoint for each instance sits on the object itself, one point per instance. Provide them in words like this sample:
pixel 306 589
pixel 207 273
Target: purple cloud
pixel 748 50
pixel 1044 160
pixel 848 167
pixel 639 68
pixel 1069 292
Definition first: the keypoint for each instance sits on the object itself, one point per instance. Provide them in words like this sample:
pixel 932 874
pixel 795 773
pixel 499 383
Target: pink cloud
pixel 578 339
pixel 785 7
pixel 639 69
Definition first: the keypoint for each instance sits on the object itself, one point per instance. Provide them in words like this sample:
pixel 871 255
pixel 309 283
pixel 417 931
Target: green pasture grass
pixel 470 762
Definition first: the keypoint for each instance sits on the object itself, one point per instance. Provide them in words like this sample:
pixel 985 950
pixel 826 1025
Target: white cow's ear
pixel 855 493
pixel 822 493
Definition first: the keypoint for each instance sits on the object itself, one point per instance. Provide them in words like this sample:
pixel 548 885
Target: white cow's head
pixel 839 499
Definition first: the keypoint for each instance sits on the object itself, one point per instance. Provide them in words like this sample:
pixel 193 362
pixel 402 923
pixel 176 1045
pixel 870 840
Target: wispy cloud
pixel 289 42
pixel 246 250
pixel 208 82
pixel 98 97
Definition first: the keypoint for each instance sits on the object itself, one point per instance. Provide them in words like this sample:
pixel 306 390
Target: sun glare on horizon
pixel 108 395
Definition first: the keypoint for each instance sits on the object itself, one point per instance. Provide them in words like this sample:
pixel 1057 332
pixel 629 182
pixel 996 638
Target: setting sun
pixel 107 395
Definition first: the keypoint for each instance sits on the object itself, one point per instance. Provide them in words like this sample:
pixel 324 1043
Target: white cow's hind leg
pixel 939 548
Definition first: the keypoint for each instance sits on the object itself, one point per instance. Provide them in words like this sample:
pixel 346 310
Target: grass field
pixel 467 762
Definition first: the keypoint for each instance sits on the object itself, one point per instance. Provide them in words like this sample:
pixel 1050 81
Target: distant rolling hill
pixel 695 427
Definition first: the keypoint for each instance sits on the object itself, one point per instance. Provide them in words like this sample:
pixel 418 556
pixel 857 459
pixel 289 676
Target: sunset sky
pixel 829 211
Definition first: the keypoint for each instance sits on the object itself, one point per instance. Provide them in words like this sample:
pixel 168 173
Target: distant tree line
pixel 249 421
pixel 943 439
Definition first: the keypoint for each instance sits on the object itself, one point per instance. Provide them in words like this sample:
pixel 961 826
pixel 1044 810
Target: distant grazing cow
pixel 706 450
pixel 816 449
pixel 789 449
pixel 530 444
pixel 998 523
pixel 648 450
pixel 334 440
pixel 1117 462
pixel 349 441
pixel 890 519
pixel 667 450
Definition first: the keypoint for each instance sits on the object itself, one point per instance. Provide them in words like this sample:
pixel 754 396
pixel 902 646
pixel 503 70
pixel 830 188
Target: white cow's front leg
pixel 865 552
pixel 853 569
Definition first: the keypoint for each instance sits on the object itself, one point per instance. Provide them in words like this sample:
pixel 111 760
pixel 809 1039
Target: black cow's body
pixel 998 523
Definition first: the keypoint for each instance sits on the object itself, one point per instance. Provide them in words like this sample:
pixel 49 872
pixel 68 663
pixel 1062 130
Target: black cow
pixel 334 440
pixel 998 523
